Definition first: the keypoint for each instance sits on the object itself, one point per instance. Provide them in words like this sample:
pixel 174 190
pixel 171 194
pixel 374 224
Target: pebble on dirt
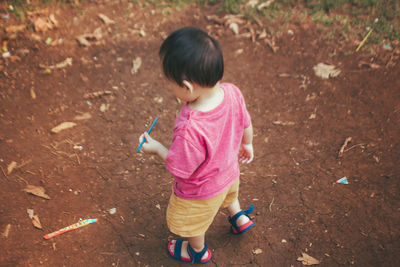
pixel 136 64
pixel 257 251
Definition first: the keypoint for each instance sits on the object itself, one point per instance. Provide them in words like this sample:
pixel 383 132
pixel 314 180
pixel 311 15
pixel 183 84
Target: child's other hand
pixel 246 153
pixel 150 145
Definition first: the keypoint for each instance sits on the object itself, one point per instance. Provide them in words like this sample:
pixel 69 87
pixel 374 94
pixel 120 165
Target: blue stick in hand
pixel 144 139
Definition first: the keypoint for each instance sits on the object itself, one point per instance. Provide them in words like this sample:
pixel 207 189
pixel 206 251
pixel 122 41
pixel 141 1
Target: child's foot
pixel 185 249
pixel 241 221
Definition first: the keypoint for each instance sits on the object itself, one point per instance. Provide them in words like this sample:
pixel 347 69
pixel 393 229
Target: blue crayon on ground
pixel 144 139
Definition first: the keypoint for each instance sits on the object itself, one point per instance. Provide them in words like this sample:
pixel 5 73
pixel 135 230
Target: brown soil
pixel 301 121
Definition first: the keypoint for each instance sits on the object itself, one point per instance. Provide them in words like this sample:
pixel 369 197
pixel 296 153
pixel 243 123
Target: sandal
pixel 195 257
pixel 235 229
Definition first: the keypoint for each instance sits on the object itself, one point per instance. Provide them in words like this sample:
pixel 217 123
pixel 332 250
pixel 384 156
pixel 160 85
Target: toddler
pixel 212 133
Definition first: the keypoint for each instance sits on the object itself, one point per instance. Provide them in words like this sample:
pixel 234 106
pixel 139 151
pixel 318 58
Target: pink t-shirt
pixel 203 157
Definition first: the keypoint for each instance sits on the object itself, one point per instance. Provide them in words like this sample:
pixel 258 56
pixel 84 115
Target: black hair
pixel 191 54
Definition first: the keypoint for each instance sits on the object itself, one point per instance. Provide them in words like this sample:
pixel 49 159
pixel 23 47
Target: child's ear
pixel 188 85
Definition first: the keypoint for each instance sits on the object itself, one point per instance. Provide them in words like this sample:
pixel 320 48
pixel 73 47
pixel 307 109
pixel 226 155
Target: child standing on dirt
pixel 212 133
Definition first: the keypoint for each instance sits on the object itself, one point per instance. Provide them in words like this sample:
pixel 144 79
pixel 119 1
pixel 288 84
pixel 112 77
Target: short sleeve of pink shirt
pixel 203 157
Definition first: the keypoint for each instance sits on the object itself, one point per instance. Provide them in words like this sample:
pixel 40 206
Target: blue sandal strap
pixel 178 249
pixel 195 257
pixel 233 219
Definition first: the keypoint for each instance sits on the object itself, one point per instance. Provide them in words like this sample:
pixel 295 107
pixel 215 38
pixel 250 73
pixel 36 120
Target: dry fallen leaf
pixel 368 64
pixel 41 25
pixel 37 191
pixel 36 222
pixel 234 27
pixel 84 116
pixel 283 123
pixel 96 94
pixel 325 71
pixel 82 40
pixel 7 230
pixel 11 167
pixel 15 28
pixel 33 94
pixel 62 64
pixel 105 19
pixel 307 259
pixel 30 213
pixel 86 39
pixel 53 20
pixel 63 126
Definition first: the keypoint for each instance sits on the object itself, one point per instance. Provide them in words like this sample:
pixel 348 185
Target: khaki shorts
pixel 189 218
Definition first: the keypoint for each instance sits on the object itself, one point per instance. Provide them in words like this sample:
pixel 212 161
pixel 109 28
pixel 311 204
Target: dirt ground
pixel 301 122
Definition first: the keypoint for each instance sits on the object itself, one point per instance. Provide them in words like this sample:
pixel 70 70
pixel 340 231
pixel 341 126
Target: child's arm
pixel 246 153
pixel 153 146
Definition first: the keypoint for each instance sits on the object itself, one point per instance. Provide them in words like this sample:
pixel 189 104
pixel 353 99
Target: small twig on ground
pixel 362 145
pixel 31 172
pixel 77 157
pixel 23 164
pixel 270 204
pixel 341 151
pixel 22 179
pixel 5 175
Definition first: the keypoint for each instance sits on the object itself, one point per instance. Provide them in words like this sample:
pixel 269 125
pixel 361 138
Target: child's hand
pixel 246 153
pixel 150 145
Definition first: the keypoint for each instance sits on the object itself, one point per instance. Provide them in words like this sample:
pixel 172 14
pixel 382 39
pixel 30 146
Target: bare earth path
pixel 301 122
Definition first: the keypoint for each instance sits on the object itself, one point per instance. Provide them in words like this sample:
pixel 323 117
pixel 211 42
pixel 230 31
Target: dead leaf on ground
pixel 105 19
pixel 30 213
pixel 83 40
pixel 90 38
pixel 325 71
pixel 271 44
pixel 84 116
pixel 15 28
pixel 62 64
pixel 41 24
pixel 37 191
pixel 265 4
pixel 33 94
pixel 368 64
pixel 283 123
pixel 63 126
pixel 36 222
pixel 307 259
pixel 234 27
pixel 96 94
pixel 53 20
pixel 7 231
pixel 11 167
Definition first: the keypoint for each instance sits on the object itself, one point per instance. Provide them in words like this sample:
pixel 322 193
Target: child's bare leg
pixel 235 208
pixel 196 242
